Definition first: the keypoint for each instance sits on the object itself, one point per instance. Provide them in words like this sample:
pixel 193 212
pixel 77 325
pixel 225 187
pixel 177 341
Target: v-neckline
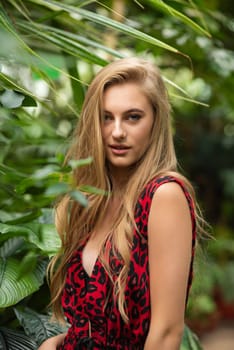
pixel 96 261
pixel 81 258
pixel 93 267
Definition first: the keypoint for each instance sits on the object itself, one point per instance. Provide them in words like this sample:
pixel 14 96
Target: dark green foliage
pixel 49 52
pixel 15 340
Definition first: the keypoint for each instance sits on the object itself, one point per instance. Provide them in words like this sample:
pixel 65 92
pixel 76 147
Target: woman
pixel 123 275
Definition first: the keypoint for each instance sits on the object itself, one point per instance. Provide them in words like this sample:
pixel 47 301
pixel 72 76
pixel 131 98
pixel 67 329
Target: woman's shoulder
pixel 157 182
pixel 170 188
pixel 167 185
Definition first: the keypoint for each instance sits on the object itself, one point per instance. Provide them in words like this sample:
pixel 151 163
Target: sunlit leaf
pixel 188 99
pixel 57 189
pixel 45 237
pixel 107 22
pixel 12 290
pixel 22 218
pixel 11 84
pixel 91 189
pixel 67 45
pixel 79 197
pixel 80 162
pixel 13 230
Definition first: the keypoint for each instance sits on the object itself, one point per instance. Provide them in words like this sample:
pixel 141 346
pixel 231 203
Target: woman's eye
pixel 107 117
pixel 134 117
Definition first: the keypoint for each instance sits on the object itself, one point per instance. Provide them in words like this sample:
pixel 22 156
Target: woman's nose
pixel 118 130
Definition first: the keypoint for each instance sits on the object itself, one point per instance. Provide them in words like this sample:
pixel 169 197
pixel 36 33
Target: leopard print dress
pixel 88 302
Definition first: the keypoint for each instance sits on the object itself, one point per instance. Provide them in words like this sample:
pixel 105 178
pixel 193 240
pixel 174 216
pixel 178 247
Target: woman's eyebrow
pixel 130 110
pixel 135 110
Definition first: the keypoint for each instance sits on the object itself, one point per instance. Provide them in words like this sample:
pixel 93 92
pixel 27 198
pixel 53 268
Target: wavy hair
pixel 74 222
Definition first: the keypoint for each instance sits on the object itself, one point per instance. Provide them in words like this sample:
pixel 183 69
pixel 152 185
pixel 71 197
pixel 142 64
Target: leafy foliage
pixel 15 287
pixel 38 326
pixel 15 340
pixel 49 52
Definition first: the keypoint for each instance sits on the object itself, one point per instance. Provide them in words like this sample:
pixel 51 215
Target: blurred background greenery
pixel 49 52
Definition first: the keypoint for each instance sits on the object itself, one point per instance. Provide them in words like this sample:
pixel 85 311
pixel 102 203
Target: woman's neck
pixel 119 180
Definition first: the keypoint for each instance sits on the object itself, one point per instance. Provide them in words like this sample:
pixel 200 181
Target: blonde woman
pixel 125 269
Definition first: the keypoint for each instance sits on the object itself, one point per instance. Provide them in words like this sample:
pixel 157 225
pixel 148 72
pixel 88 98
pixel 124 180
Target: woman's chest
pixel 98 283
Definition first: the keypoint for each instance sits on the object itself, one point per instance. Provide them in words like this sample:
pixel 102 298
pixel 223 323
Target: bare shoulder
pixel 169 207
pixel 169 191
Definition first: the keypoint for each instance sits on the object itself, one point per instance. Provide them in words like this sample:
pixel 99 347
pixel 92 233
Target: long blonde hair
pixel 74 222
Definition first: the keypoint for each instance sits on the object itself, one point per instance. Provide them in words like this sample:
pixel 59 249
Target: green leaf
pixel 86 42
pixel 80 162
pixel 9 83
pixel 15 340
pixel 27 264
pixel 12 173
pixel 29 101
pixel 105 21
pixel 12 231
pixel 92 189
pixel 44 172
pixel 172 12
pixel 57 189
pixel 5 216
pixel 21 218
pixel 11 246
pixel 38 326
pixel 45 237
pixel 79 197
pixel 188 99
pixel 13 290
pixel 190 340
pixel 67 45
pixel 77 88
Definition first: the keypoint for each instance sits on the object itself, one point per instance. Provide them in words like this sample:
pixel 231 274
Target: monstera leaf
pixel 15 287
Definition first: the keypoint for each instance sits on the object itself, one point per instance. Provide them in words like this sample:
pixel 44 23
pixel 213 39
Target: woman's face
pixel 126 125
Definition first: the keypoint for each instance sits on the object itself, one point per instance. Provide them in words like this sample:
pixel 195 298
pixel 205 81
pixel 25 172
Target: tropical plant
pixel 49 52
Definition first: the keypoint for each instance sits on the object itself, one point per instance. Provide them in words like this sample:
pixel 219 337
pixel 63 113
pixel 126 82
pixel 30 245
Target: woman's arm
pixel 170 242
pixel 53 343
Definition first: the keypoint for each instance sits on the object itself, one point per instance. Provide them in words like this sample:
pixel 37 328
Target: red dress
pixel 88 304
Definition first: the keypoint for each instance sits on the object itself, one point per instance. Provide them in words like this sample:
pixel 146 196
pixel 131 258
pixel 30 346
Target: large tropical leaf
pixel 10 231
pixel 15 340
pixel 38 326
pixel 11 246
pixel 12 288
pixel 45 237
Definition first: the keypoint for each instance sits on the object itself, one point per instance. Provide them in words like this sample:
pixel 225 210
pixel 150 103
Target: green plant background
pixel 49 52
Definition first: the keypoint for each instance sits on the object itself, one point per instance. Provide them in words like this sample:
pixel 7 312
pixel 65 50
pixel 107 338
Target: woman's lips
pixel 119 149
